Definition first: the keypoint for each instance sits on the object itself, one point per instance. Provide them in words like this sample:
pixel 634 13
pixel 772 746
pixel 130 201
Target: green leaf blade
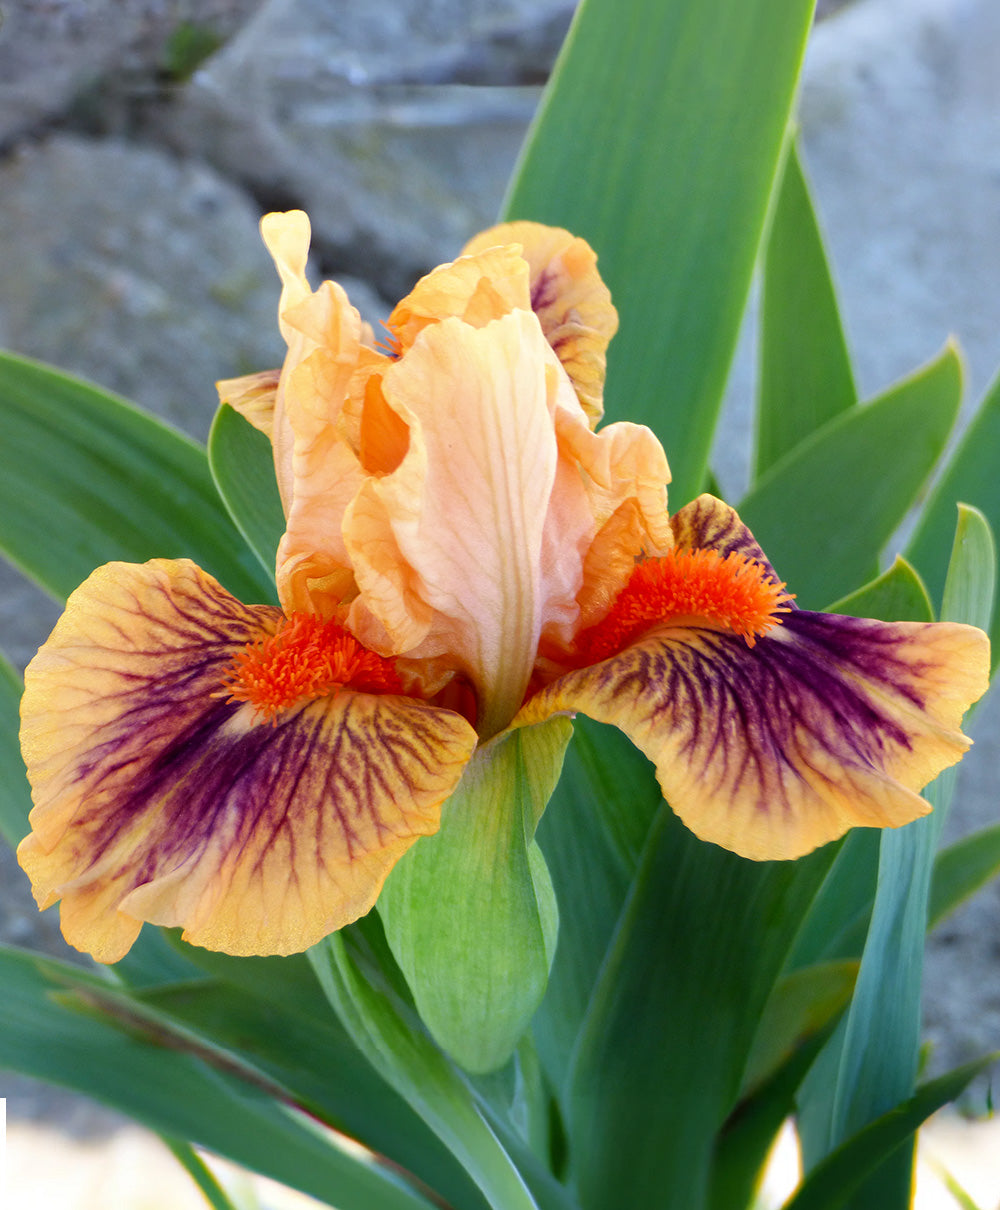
pixel 693 139
pixel 877 1054
pixel 242 465
pixel 806 377
pixel 852 483
pixel 833 1184
pixel 970 477
pixel 394 1043
pixel 88 479
pixel 15 794
pixel 44 1033
pixel 469 913
pixel 672 1021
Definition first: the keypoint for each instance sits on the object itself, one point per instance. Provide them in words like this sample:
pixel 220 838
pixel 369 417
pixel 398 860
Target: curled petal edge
pixel 159 800
pixel 827 723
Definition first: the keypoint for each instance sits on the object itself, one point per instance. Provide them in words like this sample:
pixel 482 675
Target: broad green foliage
pixel 242 466
pixel 15 798
pixel 852 482
pixel 970 477
pixel 805 371
pixel 588 1008
pixel 89 478
pixel 670 184
pixel 59 1024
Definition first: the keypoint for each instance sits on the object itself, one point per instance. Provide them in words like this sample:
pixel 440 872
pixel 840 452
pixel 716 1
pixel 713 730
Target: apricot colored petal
pixel 286 237
pixel 253 396
pixel 617 479
pixel 323 473
pixel 475 289
pixel 447 548
pixel 160 800
pixel 571 301
pixel 316 470
pixel 827 723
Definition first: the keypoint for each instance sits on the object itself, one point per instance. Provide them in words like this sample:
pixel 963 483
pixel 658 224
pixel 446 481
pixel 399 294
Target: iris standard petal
pixel 322 471
pixel 446 548
pixel 475 289
pixel 253 396
pixel 571 301
pixel 159 798
pixel 773 730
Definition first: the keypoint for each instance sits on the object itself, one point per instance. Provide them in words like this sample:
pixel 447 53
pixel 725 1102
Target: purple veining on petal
pixel 763 696
pixel 838 716
pixel 711 524
pixel 544 289
pixel 181 801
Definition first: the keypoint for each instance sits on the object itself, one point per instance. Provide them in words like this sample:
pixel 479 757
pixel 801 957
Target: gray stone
pixel 367 119
pixel 52 50
pixel 140 272
pixel 900 112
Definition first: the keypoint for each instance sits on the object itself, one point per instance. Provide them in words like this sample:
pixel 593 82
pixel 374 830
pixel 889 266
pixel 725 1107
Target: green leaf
pixel 88 478
pixel 15 794
pixel 242 465
pixel 879 1050
pixel 200 1173
pixel 469 913
pixel 592 836
pixel 837 921
pixel 824 511
pixel 392 1039
pixel 61 1025
pixel 658 142
pixel 834 1182
pixel 971 476
pixel 302 1047
pixel 897 595
pixel 805 370
pixel 970 589
pixel 671 1024
pixel 961 869
pixel 801 1003
pixel 746 1139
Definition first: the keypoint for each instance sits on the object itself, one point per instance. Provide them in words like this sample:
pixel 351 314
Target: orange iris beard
pixel 728 592
pixel 306 659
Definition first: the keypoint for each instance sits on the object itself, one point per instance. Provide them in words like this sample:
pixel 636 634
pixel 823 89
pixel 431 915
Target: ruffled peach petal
pixel 376 434
pixel 826 723
pixel 313 568
pixel 447 548
pixel 253 396
pixel 622 473
pixel 160 799
pixel 569 298
pixel 475 289
pixel 286 237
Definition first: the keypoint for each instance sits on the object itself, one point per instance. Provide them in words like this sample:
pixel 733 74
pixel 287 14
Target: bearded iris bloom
pixel 464 553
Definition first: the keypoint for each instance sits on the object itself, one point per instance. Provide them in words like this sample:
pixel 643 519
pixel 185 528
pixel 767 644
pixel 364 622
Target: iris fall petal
pixel 772 749
pixel 160 799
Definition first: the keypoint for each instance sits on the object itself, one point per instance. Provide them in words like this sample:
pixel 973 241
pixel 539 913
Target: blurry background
pixel 140 141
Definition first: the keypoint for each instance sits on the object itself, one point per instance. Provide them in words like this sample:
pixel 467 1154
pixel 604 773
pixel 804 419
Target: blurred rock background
pixel 141 141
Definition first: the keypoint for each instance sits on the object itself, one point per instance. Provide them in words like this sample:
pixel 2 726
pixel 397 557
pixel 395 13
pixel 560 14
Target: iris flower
pixel 465 552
